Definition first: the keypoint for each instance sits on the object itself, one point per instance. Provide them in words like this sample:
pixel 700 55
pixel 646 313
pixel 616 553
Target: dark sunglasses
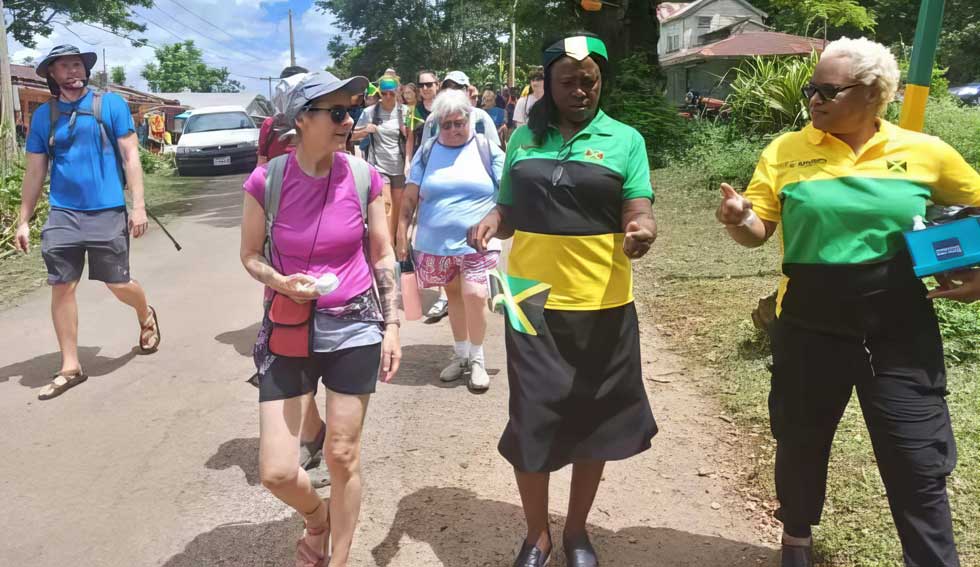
pixel 337 113
pixel 827 92
pixel 428 84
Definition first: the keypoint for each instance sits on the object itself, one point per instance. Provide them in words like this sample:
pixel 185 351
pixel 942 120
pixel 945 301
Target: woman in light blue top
pixel 454 177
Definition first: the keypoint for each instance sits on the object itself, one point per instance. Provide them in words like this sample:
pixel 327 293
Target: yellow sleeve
pixel 762 191
pixel 958 183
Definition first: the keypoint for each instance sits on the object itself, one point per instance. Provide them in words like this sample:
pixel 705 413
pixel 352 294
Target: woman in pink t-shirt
pixel 319 229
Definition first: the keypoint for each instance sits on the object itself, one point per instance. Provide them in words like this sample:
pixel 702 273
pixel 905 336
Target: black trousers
pixel 897 369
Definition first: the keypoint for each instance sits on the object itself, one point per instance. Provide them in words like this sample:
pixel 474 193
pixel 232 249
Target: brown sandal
pixel 150 333
pixel 60 382
pixel 306 554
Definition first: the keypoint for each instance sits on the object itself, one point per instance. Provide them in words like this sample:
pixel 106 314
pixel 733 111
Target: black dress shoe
pixel 580 553
pixel 797 556
pixel 531 556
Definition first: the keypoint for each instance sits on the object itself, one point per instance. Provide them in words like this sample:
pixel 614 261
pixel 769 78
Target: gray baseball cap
pixel 457 77
pixel 89 58
pixel 315 85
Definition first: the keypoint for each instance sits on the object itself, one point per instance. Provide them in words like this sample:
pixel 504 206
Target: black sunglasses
pixel 337 113
pixel 428 84
pixel 827 92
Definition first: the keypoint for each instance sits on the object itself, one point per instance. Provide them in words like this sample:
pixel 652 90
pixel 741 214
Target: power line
pixel 204 35
pixel 184 8
pixel 144 42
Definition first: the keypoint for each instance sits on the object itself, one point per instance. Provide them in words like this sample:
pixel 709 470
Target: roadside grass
pixel 22 274
pixel 699 288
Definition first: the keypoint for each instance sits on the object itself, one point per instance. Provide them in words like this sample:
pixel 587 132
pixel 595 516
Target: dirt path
pixel 153 460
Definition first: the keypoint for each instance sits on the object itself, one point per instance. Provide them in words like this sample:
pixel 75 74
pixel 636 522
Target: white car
pixel 217 140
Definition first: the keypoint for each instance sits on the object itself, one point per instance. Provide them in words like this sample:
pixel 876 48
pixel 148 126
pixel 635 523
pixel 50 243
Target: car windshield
pixel 217 121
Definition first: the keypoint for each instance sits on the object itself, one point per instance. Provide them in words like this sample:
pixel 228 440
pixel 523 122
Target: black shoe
pixel 579 552
pixel 797 556
pixel 531 556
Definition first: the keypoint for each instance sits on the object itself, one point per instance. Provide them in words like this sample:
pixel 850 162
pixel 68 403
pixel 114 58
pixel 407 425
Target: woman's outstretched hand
pixel 734 208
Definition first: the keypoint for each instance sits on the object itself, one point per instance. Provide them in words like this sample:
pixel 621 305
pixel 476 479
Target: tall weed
pixel 766 94
pixel 637 100
pixel 11 179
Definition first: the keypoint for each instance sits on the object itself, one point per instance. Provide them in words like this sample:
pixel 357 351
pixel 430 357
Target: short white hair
pixel 449 102
pixel 872 64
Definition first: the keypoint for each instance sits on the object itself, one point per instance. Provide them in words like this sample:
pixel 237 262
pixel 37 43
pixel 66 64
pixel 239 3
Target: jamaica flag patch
pixel 523 301
pixel 898 166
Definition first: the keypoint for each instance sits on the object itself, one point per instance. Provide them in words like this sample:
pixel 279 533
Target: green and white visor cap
pixel 577 47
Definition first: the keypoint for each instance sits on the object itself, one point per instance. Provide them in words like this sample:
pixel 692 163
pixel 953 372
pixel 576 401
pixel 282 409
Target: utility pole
pixel 8 139
pixel 105 70
pixel 927 29
pixel 513 43
pixel 292 46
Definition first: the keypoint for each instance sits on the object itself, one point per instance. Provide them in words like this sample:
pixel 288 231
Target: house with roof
pixel 256 105
pixel 702 42
pixel 31 91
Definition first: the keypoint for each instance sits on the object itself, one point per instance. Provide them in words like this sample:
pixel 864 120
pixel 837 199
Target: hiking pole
pixel 164 229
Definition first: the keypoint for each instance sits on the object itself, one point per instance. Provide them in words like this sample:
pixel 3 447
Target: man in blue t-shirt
pixel 88 208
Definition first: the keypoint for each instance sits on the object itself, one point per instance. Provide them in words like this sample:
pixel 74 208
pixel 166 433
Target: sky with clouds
pixel 249 37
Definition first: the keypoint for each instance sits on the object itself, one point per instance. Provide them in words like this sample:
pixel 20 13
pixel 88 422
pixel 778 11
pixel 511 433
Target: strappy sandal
pixel 60 382
pixel 150 333
pixel 307 555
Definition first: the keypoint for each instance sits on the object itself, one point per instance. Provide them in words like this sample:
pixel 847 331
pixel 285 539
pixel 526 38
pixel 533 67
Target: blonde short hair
pixel 872 64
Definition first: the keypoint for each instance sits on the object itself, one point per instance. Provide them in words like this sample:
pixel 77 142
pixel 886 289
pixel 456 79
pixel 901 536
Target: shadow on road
pixel 242 453
pixel 243 339
pixel 271 544
pixel 217 204
pixel 37 371
pixel 463 529
pixel 421 365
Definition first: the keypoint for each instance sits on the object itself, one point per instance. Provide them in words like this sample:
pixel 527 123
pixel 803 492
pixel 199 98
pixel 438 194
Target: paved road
pixel 153 460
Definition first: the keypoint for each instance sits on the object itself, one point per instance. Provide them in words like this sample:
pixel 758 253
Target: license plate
pixel 222 160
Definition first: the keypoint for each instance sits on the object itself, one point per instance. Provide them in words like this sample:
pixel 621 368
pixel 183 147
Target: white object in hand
pixel 327 283
pixel 918 223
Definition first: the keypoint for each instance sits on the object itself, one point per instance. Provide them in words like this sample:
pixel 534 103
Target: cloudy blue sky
pixel 249 37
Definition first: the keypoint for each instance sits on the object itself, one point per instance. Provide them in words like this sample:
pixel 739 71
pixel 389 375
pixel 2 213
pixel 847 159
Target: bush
pixel 156 163
pixel 11 179
pixel 720 154
pixel 635 99
pixel 960 326
pixel 959 126
pixel 766 94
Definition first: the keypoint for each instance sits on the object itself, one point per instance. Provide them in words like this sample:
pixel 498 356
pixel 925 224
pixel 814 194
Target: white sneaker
pixel 479 379
pixel 455 370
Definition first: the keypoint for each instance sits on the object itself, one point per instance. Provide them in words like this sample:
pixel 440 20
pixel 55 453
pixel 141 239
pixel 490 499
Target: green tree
pixel 824 18
pixel 181 66
pixel 33 19
pixel 118 75
pixel 413 34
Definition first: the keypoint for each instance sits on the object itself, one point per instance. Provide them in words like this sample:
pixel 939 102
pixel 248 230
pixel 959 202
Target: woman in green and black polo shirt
pixel 576 195
pixel 851 313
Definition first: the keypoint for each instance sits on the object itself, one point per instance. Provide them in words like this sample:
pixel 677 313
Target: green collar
pixel 599 126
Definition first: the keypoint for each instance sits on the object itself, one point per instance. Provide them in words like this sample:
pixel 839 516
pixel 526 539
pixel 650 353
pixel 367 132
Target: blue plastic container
pixel 945 247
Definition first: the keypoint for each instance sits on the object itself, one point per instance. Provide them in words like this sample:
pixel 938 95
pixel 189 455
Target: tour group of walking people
pixel 325 231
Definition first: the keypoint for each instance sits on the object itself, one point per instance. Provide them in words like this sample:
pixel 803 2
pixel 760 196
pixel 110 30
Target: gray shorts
pixel 69 235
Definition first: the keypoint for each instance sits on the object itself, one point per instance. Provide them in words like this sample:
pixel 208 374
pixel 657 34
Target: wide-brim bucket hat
pixel 88 58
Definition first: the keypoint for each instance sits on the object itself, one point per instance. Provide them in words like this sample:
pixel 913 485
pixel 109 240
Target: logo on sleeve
pixel 898 166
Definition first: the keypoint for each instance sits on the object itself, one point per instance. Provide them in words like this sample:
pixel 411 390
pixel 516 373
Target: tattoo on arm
pixel 385 279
